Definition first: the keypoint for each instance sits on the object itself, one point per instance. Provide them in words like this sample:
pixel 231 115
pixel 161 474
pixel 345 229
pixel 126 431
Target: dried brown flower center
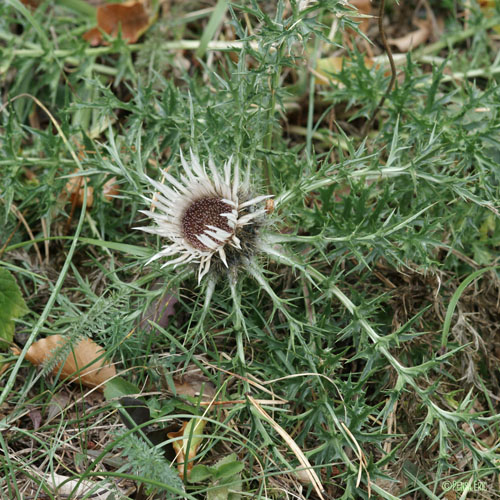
pixel 200 214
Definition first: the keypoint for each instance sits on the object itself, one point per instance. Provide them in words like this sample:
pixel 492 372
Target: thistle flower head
pixel 208 218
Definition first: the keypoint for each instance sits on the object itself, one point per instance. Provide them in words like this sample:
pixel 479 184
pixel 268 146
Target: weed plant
pixel 383 370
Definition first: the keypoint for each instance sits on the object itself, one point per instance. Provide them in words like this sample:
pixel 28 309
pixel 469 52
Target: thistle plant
pixel 211 221
pixel 358 320
pixel 214 225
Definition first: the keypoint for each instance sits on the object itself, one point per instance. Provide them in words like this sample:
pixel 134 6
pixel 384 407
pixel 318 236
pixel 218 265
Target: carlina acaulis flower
pixel 208 218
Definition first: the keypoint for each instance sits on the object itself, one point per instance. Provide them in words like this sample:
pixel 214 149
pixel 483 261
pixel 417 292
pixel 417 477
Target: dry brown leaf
pixel 160 311
pixel 66 487
pixel 363 7
pixel 93 36
pixel 110 189
pixel 193 383
pixel 75 191
pixel 3 367
pixel 31 3
pixel 413 39
pixel 450 495
pixel 36 418
pixel 130 17
pixel 58 403
pixel 86 358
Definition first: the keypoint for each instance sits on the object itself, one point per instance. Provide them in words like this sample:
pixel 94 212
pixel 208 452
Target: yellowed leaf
pixel 85 363
pixel 193 428
pixel 488 9
pixel 327 66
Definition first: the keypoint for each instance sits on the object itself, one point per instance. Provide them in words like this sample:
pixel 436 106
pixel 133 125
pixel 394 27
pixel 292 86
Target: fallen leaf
pixel 450 495
pixel 36 418
pixel 31 3
pixel 93 36
pixel 75 192
pixel 3 365
pixel 327 66
pixel 58 402
pixel 412 39
pixel 78 488
pixel 488 9
pixel 84 363
pixel 110 189
pixel 160 311
pixel 191 434
pixel 193 382
pixel 363 7
pixel 129 17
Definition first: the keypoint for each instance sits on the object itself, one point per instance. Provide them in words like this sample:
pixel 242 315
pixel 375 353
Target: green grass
pixel 372 318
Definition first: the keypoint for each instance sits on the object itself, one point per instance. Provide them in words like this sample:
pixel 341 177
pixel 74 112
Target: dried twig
pixel 363 464
pixel 388 51
pixel 251 382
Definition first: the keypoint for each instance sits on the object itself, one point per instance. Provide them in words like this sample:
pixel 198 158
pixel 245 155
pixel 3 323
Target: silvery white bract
pixel 207 217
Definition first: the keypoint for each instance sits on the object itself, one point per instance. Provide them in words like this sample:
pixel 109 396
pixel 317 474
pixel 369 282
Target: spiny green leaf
pixel 12 305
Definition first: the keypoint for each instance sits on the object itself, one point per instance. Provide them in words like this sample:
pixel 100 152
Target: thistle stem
pixel 239 323
pixel 274 84
pixel 209 292
pixel 278 303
